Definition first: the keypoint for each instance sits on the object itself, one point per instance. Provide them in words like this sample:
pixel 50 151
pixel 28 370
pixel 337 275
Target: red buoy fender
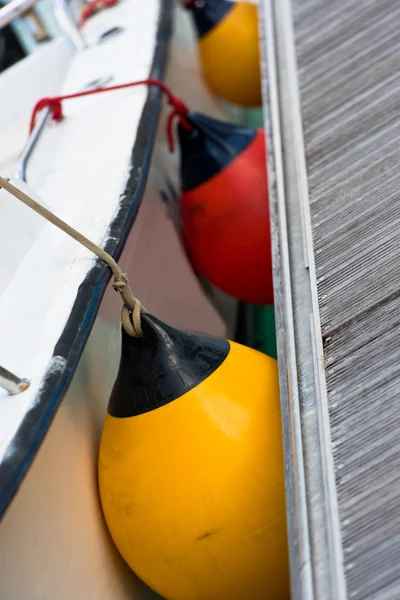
pixel 226 225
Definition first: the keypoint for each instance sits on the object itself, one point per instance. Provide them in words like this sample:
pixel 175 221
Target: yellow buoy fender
pixel 229 49
pixel 191 467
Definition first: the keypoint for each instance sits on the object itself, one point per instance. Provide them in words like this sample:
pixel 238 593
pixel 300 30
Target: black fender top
pixel 208 13
pixel 209 147
pixel 162 366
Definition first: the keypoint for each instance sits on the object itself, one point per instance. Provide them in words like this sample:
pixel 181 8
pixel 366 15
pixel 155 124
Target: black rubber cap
pixel 162 366
pixel 209 147
pixel 208 13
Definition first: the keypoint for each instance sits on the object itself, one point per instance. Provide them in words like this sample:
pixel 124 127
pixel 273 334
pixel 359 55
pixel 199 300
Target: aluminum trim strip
pixel 317 561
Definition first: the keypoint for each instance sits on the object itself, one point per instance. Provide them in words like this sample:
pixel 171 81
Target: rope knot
pixel 179 106
pixel 132 308
pixel 55 106
pixel 120 282
pixel 181 111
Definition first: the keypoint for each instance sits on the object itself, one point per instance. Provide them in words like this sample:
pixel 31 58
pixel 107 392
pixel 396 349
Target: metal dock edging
pixel 313 520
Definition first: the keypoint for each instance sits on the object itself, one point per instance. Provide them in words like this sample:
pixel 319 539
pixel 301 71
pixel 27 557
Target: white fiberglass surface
pixel 19 229
pixel 79 169
pixel 40 74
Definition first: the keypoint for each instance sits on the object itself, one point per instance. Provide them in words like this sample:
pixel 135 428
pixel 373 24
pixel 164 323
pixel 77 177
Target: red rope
pixel 92 7
pixel 180 110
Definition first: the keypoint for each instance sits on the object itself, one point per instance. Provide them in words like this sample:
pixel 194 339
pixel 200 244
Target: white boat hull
pixel 53 541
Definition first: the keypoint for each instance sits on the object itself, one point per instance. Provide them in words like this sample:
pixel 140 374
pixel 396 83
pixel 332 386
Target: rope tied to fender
pixel 131 310
pixel 179 108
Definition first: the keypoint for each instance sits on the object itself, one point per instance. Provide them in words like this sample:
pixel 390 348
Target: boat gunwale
pixel 70 345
